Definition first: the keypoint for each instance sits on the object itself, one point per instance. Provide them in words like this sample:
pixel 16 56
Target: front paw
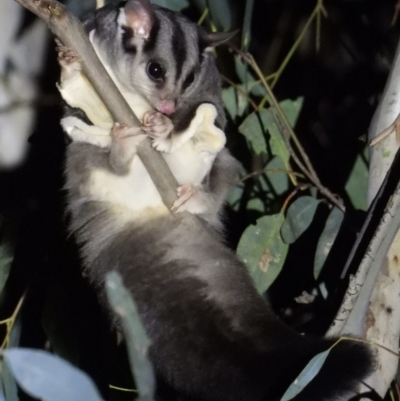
pixel 192 199
pixel 158 127
pixel 126 137
pixel 124 143
pixel 68 60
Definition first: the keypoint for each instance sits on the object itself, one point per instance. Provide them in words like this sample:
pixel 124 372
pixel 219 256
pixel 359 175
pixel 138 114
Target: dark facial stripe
pixel 178 46
pixel 151 42
pixel 127 37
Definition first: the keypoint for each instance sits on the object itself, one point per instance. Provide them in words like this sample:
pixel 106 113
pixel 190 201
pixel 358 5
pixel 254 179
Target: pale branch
pixel 70 31
pixel 382 154
pixel 351 318
pixel 377 317
pixel 384 308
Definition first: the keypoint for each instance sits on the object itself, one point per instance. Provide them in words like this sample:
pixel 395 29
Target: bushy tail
pixel 348 363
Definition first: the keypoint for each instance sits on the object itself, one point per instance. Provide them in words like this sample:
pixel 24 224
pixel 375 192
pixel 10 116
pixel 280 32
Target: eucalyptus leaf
pixel 262 250
pixel 135 335
pixel 307 374
pixel 2 396
pixel 176 5
pixel 235 196
pixel 9 385
pixel 253 130
pixel 221 13
pixel 249 82
pixel 230 102
pixel 327 239
pixel 235 102
pixel 357 183
pixel 277 175
pixel 298 218
pixel 48 377
pixel 291 109
pixel 257 123
pixel 257 203
pixel 278 146
pixel 242 101
pixel 6 255
pixel 247 20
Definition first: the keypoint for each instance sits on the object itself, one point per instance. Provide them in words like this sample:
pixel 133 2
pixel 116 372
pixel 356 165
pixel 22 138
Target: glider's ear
pixel 214 39
pixel 139 17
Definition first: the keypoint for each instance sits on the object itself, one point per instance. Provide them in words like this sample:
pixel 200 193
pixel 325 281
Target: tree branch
pixel 371 308
pixel 70 31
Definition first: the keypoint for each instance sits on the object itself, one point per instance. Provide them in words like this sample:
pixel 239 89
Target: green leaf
pixel 2 396
pixel 48 377
pixel 246 31
pixel 6 254
pixel 291 109
pixel 278 146
pixel 8 381
pixel 327 239
pixel 253 130
pixel 235 196
pixel 230 102
pixel 221 14
pixel 235 102
pixel 257 123
pixel 249 82
pixel 176 5
pixel 242 101
pixel 298 218
pixel 262 250
pixel 135 335
pixel 277 175
pixel 242 70
pixel 357 184
pixel 9 385
pixel 307 374
pixel 256 203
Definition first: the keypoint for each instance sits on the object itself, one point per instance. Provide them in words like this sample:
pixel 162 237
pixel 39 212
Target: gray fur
pixel 108 36
pixel 212 336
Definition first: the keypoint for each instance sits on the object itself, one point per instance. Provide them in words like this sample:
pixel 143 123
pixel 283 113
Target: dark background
pixel 341 86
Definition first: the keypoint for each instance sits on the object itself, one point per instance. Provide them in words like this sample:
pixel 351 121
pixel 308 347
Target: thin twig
pixel 287 132
pixel 294 47
pixel 10 322
pixel 239 89
pixel 323 190
pixel 270 170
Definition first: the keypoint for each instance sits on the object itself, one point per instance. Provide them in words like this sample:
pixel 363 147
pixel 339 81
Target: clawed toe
pixel 156 125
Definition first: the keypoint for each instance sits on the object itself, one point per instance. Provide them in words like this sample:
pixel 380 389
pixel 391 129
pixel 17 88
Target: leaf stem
pixel 239 89
pixel 10 322
pixel 287 134
pixel 270 170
